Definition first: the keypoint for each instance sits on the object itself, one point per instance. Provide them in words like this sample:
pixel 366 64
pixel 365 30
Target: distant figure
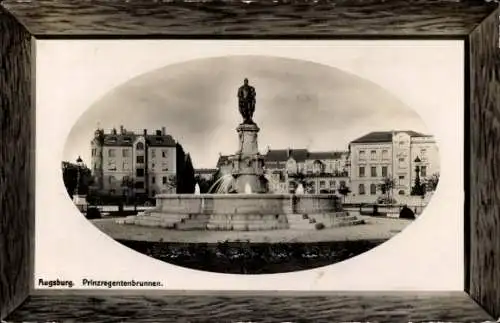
pixel 406 213
pixel 246 101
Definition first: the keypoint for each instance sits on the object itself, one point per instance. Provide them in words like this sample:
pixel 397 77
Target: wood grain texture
pixel 251 19
pixel 366 307
pixel 16 164
pixel 485 165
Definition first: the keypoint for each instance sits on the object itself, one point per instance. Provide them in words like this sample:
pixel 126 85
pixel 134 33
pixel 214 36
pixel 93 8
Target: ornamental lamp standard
pixel 419 187
pixel 79 164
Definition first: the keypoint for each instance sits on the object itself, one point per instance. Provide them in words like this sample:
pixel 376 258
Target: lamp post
pixel 76 196
pixel 419 189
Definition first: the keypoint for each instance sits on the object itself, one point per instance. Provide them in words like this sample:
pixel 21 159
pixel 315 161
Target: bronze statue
pixel 246 100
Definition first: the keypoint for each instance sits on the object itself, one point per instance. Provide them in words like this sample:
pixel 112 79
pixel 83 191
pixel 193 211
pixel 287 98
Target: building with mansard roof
pixel 322 171
pixel 394 155
pixel 124 161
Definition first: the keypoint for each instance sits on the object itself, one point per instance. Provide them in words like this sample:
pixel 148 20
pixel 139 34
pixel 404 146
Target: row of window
pixel 373 190
pixel 126 153
pixel 322 183
pixel 126 165
pixel 385 155
pixel 374 173
pixel 139 183
pixel 373 155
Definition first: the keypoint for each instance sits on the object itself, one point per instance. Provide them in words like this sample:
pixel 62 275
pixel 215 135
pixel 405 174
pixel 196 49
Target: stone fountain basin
pixel 246 204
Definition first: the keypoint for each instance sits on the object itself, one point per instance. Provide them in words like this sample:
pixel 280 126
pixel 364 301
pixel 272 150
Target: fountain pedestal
pixel 247 164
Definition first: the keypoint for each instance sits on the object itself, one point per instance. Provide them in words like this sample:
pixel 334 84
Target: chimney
pixel 288 152
pixel 145 132
pixel 163 131
pixel 122 130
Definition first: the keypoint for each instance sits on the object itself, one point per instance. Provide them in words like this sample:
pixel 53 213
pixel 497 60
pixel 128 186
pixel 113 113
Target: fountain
pixel 240 200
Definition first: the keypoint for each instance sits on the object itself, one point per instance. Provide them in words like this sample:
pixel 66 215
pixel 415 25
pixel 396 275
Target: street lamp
pixel 76 196
pixel 419 188
pixel 79 164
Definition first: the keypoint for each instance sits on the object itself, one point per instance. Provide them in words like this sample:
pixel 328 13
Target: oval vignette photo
pixel 250 164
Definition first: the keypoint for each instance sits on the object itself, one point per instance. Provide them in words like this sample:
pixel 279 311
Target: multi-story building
pixel 323 172
pixel 205 173
pixel 391 155
pixel 124 162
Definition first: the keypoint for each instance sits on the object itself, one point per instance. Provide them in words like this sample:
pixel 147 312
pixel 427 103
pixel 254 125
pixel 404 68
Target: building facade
pixel 124 162
pixel 321 172
pixel 393 155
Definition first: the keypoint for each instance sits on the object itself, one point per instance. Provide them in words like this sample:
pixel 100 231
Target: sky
pixel 300 104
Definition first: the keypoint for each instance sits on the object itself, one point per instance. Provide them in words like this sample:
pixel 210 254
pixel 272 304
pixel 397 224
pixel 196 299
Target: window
pixel 361 171
pixel 342 183
pixel 153 179
pixel 126 165
pixel 401 159
pixel 384 171
pixel 374 171
pixel 423 171
pixel 322 184
pixel 139 185
pixel 385 155
pixel 139 146
pixel 153 153
pixel 139 172
pixel 125 153
pixel 111 165
pixel 164 167
pixel 140 159
pixel 111 152
pixel 373 189
pixel 164 179
pixel 362 155
pixel 164 153
pixel 401 179
pixel 373 154
pixel 153 166
pixel 93 151
pixel 112 179
pixel 332 183
pixel 401 192
pixel 361 189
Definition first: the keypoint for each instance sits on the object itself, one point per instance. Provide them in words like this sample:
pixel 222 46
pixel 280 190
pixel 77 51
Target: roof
pixel 326 155
pixel 384 136
pixel 127 139
pixel 284 154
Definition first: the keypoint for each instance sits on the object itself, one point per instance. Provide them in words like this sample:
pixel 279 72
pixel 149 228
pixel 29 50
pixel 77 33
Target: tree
pixel 344 190
pixel 185 171
pixel 431 183
pixel 73 173
pixel 387 186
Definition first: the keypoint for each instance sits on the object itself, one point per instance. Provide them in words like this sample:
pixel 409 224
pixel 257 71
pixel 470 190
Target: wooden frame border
pixel 474 22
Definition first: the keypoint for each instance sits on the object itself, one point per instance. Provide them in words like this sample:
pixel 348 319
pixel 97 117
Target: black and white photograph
pixel 243 162
pixel 280 189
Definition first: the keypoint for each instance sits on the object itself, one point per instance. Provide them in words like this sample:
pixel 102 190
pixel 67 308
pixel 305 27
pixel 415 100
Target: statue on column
pixel 246 101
